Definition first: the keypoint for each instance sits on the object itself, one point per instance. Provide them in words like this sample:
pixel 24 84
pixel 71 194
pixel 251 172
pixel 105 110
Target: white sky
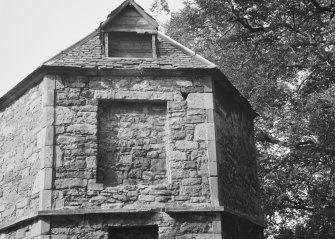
pixel 32 31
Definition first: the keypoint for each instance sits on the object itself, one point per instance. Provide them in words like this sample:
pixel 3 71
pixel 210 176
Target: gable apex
pixel 129 16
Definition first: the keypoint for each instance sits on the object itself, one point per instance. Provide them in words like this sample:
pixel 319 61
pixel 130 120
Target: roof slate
pixel 89 53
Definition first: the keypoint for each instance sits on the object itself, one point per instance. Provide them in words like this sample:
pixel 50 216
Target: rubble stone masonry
pixel 99 156
pixel 129 142
pixel 20 155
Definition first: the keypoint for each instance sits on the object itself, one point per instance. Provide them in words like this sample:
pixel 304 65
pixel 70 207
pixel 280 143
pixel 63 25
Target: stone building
pixel 127 134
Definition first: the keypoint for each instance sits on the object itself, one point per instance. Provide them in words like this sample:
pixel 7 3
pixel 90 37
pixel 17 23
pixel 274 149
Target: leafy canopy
pixel 280 55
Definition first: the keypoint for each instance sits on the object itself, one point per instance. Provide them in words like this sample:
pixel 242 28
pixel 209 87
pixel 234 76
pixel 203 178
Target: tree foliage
pixel 280 54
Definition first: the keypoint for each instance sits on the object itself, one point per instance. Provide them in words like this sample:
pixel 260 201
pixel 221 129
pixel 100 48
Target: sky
pixel 33 31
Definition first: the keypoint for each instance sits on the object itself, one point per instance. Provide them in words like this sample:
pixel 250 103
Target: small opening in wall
pixel 138 232
pixel 184 95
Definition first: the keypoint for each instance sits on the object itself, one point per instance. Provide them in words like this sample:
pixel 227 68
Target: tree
pixel 280 55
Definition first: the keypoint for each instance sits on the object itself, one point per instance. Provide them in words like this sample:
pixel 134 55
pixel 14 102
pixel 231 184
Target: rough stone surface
pixel 132 148
pixel 20 155
pixel 237 170
pixel 129 142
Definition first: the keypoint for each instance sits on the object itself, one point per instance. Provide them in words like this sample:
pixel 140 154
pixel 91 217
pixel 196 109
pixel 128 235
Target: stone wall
pixel 177 172
pixel 20 153
pixel 237 169
pixel 132 148
pixel 178 227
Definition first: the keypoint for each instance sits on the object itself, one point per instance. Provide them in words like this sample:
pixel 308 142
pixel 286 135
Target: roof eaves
pixel 187 51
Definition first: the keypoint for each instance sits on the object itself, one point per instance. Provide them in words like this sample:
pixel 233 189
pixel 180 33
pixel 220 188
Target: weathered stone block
pixel 48 116
pixel 191 181
pixel 191 190
pixel 45 199
pixel 200 101
pixel 178 156
pixel 49 82
pixel 186 145
pixel 147 198
pixel 92 185
pixel 64 115
pixel 82 129
pixel 47 157
pixel 70 183
pixel 49 98
pixel 205 131
pixel 43 180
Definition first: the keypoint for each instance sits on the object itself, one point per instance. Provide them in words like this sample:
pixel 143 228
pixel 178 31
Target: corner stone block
pixel 213 169
pixel 214 184
pixel 200 101
pixel 212 155
pixel 217 227
pixel 48 116
pixel 204 131
pixel 209 115
pixel 42 227
pixel 48 98
pixel 49 82
pixel 45 137
pixel 49 137
pixel 208 84
pixel 43 180
pixel 47 157
pixel 45 200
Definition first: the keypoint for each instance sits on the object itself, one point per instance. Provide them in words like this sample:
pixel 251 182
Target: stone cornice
pixel 169 210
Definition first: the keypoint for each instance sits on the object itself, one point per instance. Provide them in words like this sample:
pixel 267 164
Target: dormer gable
pixel 129 32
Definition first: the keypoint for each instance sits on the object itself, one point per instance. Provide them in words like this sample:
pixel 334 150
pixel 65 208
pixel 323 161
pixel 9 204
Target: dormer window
pixel 131 45
pixel 129 32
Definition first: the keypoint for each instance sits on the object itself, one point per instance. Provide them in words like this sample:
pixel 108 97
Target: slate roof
pixel 88 53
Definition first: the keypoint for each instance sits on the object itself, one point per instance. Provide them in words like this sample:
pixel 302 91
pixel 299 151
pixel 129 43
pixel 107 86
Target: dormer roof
pixel 130 17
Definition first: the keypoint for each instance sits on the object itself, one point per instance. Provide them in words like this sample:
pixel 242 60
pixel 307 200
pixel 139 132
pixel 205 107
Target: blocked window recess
pixel 140 232
pixel 132 141
pixel 131 45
